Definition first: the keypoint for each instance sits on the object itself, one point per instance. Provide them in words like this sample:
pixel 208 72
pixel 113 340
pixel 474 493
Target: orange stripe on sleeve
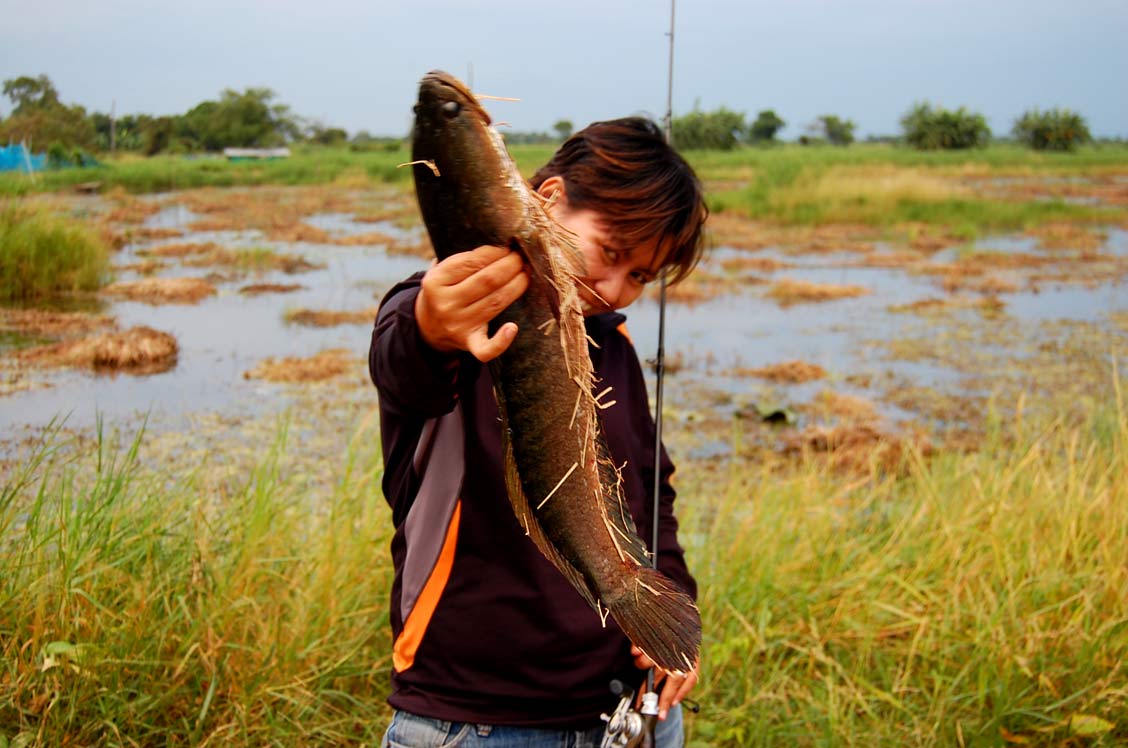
pixel 407 643
pixel 622 328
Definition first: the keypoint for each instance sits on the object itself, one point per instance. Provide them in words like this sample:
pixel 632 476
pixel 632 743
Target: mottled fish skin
pixel 561 482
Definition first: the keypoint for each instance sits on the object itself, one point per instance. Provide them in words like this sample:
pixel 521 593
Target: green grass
pixel 984 595
pixel 818 185
pixel 786 184
pixel 141 609
pixel 43 254
pixel 980 595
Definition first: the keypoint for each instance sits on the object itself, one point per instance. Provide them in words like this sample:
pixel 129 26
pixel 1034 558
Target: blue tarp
pixel 17 158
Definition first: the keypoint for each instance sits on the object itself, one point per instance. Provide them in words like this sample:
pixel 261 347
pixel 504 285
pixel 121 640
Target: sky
pixel 356 64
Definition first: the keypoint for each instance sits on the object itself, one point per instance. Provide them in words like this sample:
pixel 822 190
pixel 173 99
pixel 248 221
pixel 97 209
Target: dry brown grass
pixel 422 248
pixel 162 290
pixel 985 304
pixel 731 230
pixel 790 372
pixel 788 291
pixel 753 264
pixel 858 448
pixel 251 260
pixel 184 249
pixel 258 289
pixel 903 259
pixel 850 408
pixel 327 318
pixel 145 267
pixel 138 350
pixel 52 324
pixel 323 366
pixel 371 237
pixel 1068 236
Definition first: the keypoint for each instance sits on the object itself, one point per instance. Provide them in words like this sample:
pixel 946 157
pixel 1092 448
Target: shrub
pixel 41 254
pixel 764 129
pixel 717 130
pixel 1052 130
pixel 929 129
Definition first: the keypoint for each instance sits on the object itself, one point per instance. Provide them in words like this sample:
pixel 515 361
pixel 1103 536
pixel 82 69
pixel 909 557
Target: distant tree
pixel 927 128
pixel 836 130
pixel 719 130
pixel 764 129
pixel 29 94
pixel 39 119
pixel 563 128
pixel 1052 130
pixel 240 120
pixel 331 136
pixel 157 134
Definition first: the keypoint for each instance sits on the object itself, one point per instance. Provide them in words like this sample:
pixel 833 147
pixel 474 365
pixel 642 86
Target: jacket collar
pixel 599 325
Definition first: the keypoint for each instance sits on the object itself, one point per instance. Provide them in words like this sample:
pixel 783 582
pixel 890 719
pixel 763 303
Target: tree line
pixel 923 127
pixel 253 119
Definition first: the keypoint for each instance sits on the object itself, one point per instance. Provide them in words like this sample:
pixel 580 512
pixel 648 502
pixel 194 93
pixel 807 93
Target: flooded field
pixel 792 335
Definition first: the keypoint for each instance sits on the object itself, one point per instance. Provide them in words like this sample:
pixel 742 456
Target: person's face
pixel 616 275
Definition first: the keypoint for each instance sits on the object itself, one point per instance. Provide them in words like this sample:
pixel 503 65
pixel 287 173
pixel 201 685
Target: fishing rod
pixel 627 727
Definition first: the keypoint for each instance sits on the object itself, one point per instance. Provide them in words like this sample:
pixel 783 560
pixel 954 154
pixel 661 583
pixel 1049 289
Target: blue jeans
pixel 411 731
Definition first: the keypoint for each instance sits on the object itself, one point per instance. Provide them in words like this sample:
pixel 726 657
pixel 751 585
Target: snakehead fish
pixel 561 481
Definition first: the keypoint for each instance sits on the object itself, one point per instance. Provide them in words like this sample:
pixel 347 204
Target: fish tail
pixel 659 619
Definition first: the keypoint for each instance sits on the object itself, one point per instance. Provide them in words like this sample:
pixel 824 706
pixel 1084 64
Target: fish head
pixel 469 190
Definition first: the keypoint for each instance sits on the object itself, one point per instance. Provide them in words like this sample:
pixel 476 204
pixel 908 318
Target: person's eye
pixel 612 255
pixel 641 278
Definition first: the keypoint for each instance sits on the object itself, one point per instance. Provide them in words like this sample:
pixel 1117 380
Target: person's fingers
pixel 677 688
pixel 477 272
pixel 489 306
pixel 485 348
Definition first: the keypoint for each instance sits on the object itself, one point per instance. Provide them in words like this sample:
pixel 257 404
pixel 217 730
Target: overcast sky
pixel 355 64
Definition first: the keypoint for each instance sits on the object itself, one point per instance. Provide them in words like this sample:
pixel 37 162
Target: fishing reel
pixel 628 727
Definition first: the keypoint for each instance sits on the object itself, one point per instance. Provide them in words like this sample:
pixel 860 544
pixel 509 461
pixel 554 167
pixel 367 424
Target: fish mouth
pixel 445 88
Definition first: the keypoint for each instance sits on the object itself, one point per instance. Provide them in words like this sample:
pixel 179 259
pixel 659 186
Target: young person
pixel 492 646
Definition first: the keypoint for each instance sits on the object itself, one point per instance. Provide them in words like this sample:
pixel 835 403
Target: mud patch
pixel 157 291
pixel 327 318
pixel 788 291
pixel 52 324
pixel 138 351
pixel 859 448
pixel 790 372
pixel 321 367
pixel 258 289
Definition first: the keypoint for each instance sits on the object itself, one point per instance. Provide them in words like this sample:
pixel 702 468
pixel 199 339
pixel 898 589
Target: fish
pixel 564 488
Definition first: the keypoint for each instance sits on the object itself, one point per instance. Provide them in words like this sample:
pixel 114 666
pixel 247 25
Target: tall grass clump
pixel 43 254
pixel 981 599
pixel 144 609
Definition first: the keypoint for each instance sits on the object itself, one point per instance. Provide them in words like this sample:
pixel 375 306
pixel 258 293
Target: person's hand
pixel 460 295
pixel 675 688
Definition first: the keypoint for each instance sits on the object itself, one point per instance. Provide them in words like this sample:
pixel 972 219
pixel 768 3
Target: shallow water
pixel 223 337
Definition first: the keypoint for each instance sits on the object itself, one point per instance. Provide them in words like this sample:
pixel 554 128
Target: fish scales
pixel 561 481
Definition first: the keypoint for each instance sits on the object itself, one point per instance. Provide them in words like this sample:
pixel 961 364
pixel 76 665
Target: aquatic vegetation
pixel 788 291
pixel 138 350
pixel 43 254
pixel 320 367
pixel 791 372
pixel 162 290
pixel 330 318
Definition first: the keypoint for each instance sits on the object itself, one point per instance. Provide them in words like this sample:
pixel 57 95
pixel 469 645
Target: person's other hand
pixel 674 688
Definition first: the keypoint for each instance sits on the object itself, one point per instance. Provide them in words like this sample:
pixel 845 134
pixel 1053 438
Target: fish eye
pixel 451 109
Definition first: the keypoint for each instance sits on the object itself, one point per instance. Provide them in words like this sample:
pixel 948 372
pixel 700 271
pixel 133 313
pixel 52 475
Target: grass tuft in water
pixel 43 254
